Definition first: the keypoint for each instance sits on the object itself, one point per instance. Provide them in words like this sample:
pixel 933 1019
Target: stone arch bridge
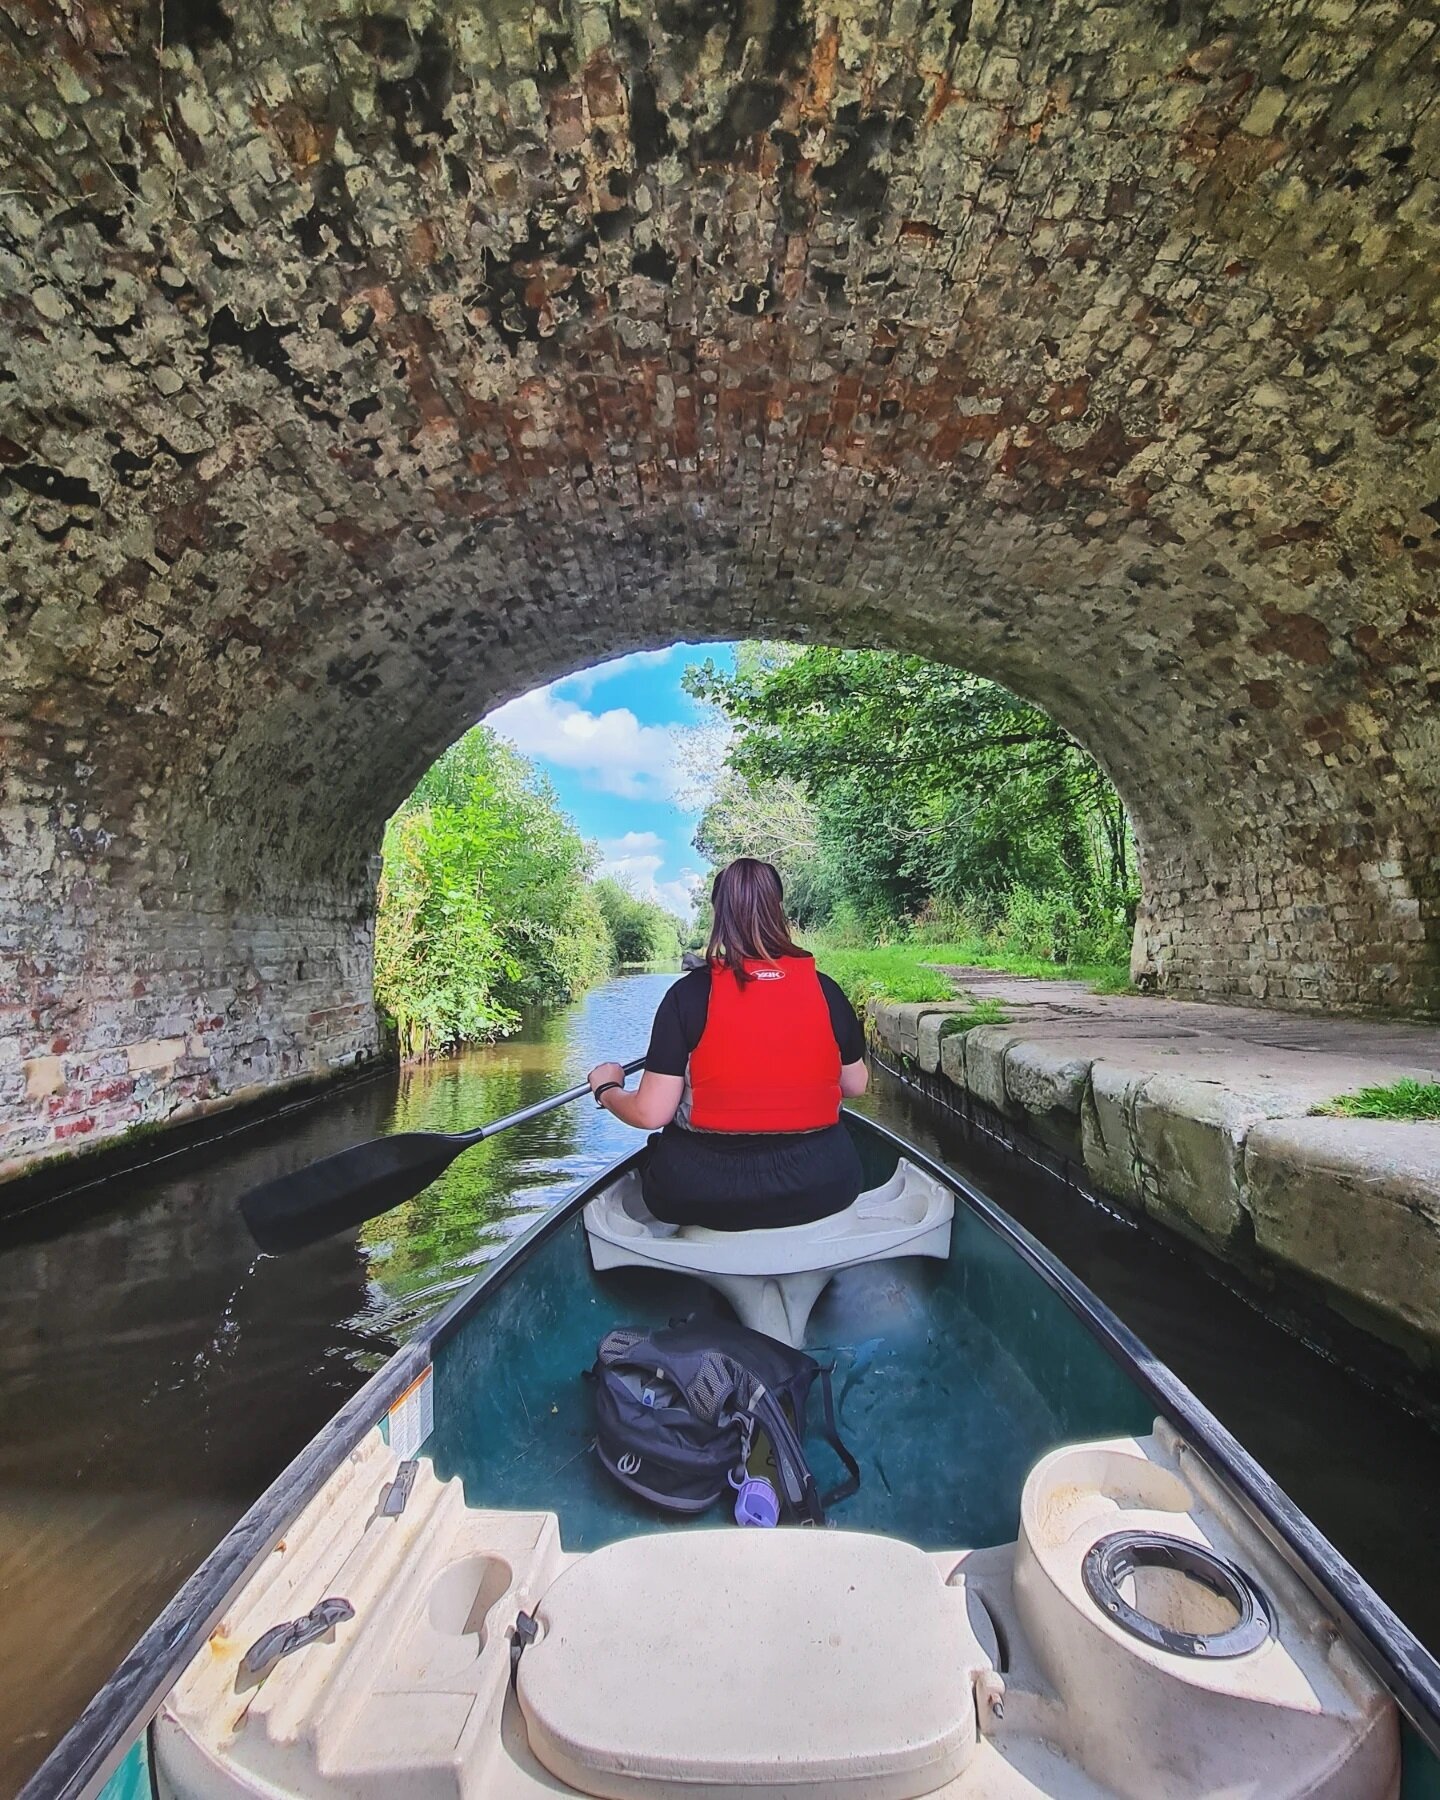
pixel 366 362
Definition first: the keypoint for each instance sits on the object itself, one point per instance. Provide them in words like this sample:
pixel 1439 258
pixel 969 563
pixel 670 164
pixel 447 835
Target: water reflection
pixel 156 1372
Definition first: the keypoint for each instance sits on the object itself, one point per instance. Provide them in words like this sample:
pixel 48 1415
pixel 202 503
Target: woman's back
pixel 749 1058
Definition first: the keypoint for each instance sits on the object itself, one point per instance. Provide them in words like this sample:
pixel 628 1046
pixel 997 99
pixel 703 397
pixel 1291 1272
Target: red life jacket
pixel 767 1059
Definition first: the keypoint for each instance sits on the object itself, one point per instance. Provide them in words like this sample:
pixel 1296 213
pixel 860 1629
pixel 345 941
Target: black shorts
pixel 733 1181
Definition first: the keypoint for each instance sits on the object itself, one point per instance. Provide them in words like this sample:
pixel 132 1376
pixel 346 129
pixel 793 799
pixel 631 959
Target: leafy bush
pixel 942 921
pixel 484 901
pixel 846 930
pixel 641 930
pixel 1058 928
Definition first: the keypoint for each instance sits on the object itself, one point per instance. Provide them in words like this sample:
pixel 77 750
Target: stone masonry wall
pixel 364 364
pixel 1342 922
pixel 135 1001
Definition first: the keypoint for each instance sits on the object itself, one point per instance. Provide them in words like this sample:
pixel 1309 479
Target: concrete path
pixel 1204 1117
pixel 1192 1021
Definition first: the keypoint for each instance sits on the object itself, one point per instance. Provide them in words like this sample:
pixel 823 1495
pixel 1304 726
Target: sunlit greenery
pixel 640 930
pixel 1403 1099
pixel 907 800
pixel 896 972
pixel 485 901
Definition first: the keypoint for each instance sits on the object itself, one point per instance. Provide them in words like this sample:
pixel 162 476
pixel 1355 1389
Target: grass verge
pixel 895 972
pixel 1403 1099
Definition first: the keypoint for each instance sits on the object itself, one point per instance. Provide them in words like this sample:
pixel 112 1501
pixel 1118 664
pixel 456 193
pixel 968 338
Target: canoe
pixel 1060 1575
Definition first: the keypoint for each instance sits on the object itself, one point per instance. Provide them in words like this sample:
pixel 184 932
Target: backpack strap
pixel 799 1493
pixel 831 1435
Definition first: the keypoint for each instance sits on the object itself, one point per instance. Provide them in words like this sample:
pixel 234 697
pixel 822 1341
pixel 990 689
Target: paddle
pixel 368 1179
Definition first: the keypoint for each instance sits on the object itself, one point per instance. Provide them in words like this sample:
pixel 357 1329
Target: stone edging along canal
pixel 1200 1118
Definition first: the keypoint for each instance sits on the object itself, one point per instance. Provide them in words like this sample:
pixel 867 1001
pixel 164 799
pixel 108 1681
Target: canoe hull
pixel 1122 1385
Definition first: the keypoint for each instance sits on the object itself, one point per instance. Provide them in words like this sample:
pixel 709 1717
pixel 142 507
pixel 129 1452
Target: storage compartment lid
pixel 791 1662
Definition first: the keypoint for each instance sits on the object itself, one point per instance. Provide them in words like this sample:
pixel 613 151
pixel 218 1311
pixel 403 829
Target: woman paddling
pixel 749 1058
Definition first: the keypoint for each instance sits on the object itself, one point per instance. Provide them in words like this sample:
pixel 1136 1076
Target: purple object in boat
pixel 756 1502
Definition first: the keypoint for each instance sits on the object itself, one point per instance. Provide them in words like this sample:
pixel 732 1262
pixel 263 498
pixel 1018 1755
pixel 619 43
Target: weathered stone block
pixel 986 1050
pixel 931 1031
pixel 952 1057
pixel 884 1021
pixel 1355 1203
pixel 1044 1076
pixel 908 1015
pixel 158 1053
pixel 1187 1138
pixel 44 1075
pixel 1107 1130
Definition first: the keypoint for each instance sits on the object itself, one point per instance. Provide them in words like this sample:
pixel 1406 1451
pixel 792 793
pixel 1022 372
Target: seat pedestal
pixel 772 1279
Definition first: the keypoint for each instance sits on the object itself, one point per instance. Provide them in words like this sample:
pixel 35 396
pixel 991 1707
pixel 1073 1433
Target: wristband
pixel 605 1087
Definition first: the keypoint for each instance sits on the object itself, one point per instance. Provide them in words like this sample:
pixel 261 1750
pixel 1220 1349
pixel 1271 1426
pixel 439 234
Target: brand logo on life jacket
pixel 629 1463
pixel 768 974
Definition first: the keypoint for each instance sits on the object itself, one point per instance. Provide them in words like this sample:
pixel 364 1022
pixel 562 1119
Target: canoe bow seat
pixel 783 1665
pixel 773 1278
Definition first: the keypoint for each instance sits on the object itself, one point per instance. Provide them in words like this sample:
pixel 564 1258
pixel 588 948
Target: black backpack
pixel 678 1409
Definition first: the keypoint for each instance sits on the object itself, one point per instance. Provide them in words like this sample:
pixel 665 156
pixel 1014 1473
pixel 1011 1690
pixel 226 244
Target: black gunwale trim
pixel 97 1742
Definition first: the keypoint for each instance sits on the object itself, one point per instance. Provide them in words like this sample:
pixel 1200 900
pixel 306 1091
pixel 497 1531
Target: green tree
pixel 776 821
pixel 927 784
pixel 485 902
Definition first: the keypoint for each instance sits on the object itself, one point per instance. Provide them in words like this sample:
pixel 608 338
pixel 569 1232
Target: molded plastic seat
pixel 773 1278
pixel 779 1664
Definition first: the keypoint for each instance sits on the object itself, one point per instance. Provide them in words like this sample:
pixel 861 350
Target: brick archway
pixel 366 367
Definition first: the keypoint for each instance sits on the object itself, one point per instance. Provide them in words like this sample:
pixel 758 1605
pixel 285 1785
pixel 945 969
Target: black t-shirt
pixel 680 1019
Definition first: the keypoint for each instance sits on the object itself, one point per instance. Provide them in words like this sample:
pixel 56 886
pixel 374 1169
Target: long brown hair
pixel 750 923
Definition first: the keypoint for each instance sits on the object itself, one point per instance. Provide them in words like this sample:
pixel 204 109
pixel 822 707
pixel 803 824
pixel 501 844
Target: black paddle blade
pixel 345 1190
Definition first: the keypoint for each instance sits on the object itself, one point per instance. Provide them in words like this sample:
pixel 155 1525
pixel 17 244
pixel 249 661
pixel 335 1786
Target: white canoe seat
pixel 773 1278
pixel 783 1665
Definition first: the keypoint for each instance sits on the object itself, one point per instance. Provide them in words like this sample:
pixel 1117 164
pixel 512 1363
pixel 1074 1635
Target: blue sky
pixel 619 744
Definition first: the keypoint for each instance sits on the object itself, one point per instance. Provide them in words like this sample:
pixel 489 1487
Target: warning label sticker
pixel 412 1418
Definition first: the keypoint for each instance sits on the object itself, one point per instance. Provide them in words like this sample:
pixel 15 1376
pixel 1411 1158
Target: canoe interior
pixel 951 1380
pixel 131 1781
pixel 1419 1766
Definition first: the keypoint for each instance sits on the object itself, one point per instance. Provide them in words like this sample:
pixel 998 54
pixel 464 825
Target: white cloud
pixel 611 751
pixel 633 843
pixel 581 685
pixel 682 895
pixel 636 860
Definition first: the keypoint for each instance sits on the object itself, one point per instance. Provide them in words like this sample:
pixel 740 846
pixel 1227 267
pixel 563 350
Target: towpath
pixel 1237 1030
pixel 1205 1116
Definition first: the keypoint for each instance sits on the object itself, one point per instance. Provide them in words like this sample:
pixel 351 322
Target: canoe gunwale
pixel 94 1746
pixel 1379 1637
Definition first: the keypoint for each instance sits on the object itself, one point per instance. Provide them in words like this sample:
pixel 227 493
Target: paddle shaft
pixel 366 1180
pixel 540 1108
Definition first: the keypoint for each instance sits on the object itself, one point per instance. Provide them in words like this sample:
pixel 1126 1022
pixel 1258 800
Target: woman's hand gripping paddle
pixel 354 1185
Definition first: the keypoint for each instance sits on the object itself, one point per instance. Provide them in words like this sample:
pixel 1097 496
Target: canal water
pixel 156 1372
